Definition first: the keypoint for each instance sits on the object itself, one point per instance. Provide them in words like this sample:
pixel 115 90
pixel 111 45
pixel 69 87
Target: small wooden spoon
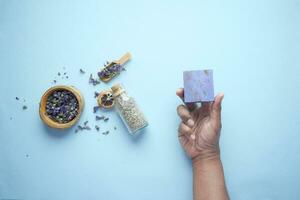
pixel 48 121
pixel 125 58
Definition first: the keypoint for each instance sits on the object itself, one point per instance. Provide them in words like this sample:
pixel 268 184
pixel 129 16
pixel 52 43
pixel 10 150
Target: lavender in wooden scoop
pixel 111 69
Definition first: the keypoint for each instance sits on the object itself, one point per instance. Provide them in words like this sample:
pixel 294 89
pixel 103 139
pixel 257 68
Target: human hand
pixel 199 130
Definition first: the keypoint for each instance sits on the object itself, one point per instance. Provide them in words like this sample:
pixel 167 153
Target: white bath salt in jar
pixel 128 110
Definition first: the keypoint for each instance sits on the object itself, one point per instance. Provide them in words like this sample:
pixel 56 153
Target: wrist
pixel 207 159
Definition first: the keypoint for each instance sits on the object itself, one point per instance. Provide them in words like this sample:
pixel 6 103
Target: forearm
pixel 208 179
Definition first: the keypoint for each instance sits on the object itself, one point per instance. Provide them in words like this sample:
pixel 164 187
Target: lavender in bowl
pixel 62 106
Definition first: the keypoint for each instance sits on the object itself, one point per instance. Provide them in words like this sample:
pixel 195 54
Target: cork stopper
pixel 117 89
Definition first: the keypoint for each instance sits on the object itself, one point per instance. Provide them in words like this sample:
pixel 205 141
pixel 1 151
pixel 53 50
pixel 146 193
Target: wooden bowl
pixel 47 120
pixel 99 99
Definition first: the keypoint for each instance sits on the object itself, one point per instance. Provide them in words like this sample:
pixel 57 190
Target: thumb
pixel 216 107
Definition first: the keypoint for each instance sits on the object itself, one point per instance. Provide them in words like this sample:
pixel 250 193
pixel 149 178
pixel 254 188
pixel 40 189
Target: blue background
pixel 252 46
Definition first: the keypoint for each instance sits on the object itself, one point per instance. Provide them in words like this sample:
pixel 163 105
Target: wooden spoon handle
pixel 125 58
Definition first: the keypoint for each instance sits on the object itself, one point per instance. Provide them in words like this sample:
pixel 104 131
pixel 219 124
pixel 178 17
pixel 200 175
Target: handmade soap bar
pixel 198 86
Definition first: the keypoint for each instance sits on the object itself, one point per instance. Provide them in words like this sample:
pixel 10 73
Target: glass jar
pixel 128 110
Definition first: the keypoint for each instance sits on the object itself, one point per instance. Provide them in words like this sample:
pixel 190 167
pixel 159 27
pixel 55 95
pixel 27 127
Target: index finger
pixel 180 94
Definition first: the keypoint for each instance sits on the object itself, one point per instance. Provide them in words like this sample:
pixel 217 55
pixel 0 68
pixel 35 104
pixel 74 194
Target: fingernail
pixel 190 123
pixel 193 137
pixel 221 95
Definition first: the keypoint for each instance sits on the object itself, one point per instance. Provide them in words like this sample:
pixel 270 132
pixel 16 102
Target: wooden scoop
pixel 125 58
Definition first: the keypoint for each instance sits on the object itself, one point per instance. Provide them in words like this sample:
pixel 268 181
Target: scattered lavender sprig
pixel 99 118
pixel 83 127
pixel 105 133
pixel 81 71
pixel 95 108
pixel 96 94
pixel 93 81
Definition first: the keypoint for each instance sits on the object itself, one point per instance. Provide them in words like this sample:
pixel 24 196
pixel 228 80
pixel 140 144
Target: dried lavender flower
pixel 93 81
pixel 99 118
pixel 105 133
pixel 17 98
pixel 81 71
pixel 95 108
pixel 106 119
pixel 91 78
pixel 80 127
pixel 96 94
pixel 83 127
pixel 24 107
pixel 97 127
pixel 58 73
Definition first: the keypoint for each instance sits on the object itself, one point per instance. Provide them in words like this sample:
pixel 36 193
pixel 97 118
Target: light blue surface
pixel 252 46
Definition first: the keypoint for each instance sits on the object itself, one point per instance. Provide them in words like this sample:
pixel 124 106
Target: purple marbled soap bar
pixel 198 86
